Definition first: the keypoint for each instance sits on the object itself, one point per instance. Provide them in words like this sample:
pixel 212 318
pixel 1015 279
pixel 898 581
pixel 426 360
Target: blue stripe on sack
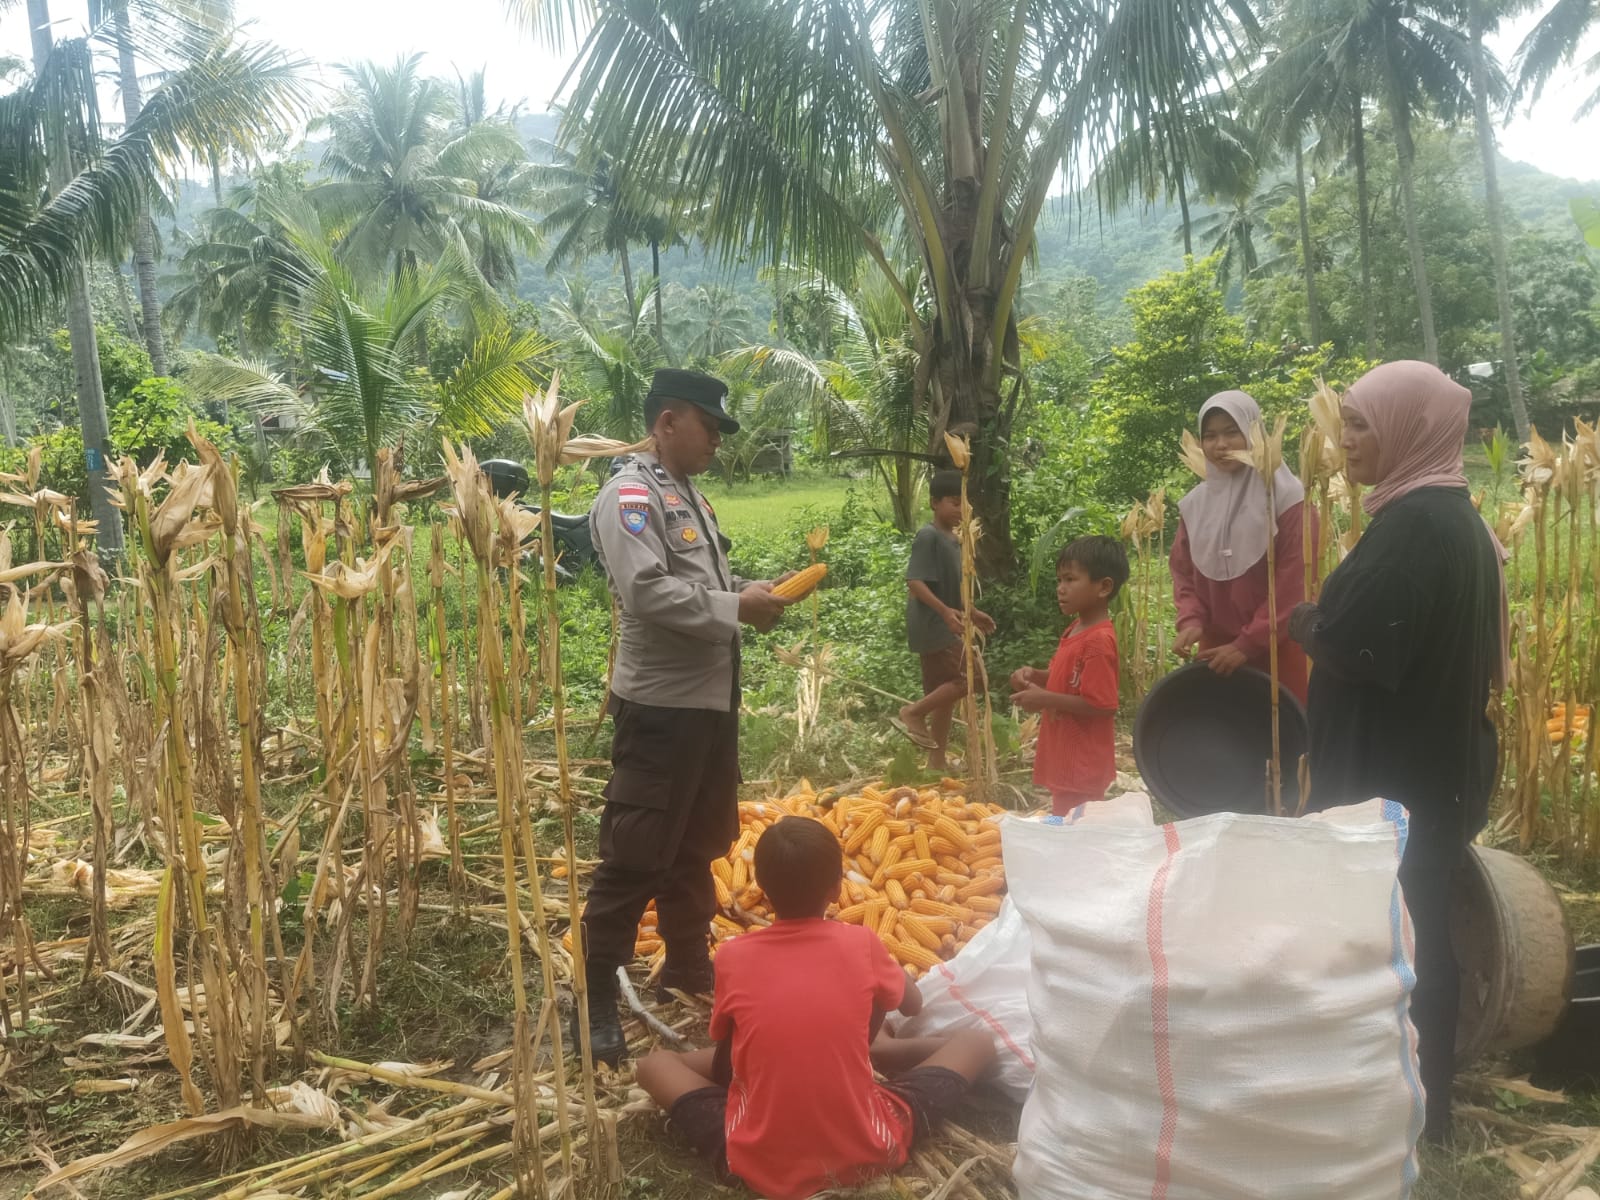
pixel 1395 814
pixel 1076 814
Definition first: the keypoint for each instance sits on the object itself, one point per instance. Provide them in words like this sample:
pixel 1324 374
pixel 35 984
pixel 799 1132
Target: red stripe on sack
pixel 987 1018
pixel 1158 1018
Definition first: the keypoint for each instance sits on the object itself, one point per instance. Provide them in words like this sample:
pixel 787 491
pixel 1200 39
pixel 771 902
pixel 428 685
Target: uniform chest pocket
pixel 684 534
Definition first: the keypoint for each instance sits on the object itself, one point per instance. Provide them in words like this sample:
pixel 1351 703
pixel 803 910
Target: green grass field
pixel 767 507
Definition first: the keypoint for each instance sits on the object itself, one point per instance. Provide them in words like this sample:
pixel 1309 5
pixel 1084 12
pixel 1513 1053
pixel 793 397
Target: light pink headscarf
pixel 1226 515
pixel 1419 415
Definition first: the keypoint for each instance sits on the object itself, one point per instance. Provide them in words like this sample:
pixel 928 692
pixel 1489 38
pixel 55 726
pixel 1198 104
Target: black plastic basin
pixel 1203 742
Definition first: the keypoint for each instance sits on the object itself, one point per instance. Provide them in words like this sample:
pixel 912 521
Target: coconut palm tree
pixel 403 183
pixel 1488 90
pixel 1555 41
pixel 1410 60
pixel 714 321
pixel 67 193
pixel 144 233
pixel 1194 148
pixel 1230 232
pixel 591 208
pixel 614 356
pixel 359 341
pixel 234 276
pixel 499 170
pixel 181 29
pixel 814 130
pixel 1290 104
pixel 1423 62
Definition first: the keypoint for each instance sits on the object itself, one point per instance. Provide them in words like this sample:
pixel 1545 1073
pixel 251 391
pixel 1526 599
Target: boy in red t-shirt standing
pixel 786 1101
pixel 1077 693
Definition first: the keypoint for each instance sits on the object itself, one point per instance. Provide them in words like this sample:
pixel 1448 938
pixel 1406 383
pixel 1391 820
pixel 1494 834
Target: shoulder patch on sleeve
pixel 633 499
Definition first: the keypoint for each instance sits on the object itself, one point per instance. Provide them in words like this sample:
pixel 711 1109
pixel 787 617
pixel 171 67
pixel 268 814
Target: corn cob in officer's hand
pixel 762 604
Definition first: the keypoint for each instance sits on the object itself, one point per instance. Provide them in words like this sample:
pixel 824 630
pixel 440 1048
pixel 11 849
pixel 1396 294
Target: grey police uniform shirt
pixel 678 633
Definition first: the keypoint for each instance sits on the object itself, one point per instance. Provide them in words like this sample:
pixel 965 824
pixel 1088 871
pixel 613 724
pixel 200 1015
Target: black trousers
pixel 1435 855
pixel 671 807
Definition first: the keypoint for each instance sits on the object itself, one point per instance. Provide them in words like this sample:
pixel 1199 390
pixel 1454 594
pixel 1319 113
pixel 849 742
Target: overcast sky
pixel 466 34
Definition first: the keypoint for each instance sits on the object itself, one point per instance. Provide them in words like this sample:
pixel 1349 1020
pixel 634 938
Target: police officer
pixel 672 803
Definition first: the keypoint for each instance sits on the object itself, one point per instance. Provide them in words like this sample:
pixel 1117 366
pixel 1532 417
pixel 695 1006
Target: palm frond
pixel 488 387
pixel 244 91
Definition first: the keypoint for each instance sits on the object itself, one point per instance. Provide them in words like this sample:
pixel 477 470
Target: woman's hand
pixel 1022 679
pixel 1224 660
pixel 1188 639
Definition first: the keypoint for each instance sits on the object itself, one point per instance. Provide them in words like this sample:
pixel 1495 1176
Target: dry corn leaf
pixel 158 1137
pixel 1327 414
pixel 179 1049
pixel 1540 463
pixel 301 1097
pixel 960 451
pixel 1193 454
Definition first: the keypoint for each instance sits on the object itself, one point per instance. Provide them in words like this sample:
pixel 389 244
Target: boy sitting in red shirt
pixel 1076 754
pixel 786 1101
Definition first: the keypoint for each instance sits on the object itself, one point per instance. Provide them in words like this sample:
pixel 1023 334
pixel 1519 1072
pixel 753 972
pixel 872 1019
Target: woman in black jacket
pixel 1406 641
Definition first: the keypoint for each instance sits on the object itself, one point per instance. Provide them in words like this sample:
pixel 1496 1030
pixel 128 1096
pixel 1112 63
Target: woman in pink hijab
pixel 1407 642
pixel 1219 557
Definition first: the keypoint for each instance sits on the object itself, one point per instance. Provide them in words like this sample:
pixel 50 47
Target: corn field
pixel 144 699
pixel 154 686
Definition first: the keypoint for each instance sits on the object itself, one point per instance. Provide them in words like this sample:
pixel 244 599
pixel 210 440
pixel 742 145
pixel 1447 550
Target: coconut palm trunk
pixel 655 266
pixel 627 276
pixel 144 234
pixel 1183 208
pixel 1358 157
pixel 1406 153
pixel 1313 309
pixel 1497 228
pixel 80 331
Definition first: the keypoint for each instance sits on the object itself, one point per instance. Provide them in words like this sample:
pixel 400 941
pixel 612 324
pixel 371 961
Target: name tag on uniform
pixel 634 501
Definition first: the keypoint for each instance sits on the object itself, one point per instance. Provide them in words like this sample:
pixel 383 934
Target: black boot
pixel 691 975
pixel 606 1040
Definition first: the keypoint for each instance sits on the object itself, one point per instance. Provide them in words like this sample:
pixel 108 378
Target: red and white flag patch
pixel 634 501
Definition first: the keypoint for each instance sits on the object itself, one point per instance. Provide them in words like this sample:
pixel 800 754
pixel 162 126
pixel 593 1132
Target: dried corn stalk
pixel 982 767
pixel 19 641
pixel 1265 456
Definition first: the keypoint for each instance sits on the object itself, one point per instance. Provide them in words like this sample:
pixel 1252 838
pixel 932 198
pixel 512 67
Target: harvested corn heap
pixel 1560 729
pixel 922 868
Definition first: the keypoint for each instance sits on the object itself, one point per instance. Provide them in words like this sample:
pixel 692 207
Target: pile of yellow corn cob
pixel 922 868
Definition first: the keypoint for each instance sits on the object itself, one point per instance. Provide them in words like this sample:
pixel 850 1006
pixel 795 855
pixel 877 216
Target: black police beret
pixel 703 391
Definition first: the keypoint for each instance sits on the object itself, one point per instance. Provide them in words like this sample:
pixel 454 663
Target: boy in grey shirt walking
pixel 933 621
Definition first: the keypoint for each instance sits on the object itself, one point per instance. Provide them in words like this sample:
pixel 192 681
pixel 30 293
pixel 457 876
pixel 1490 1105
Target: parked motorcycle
pixel 574 542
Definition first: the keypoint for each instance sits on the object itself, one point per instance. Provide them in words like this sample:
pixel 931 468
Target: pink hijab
pixel 1419 415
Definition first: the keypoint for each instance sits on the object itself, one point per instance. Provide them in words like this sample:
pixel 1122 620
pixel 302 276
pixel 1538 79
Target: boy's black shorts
pixel 932 1094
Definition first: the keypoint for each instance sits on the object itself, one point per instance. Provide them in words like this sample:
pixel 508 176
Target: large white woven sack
pixel 985 986
pixel 1218 1008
